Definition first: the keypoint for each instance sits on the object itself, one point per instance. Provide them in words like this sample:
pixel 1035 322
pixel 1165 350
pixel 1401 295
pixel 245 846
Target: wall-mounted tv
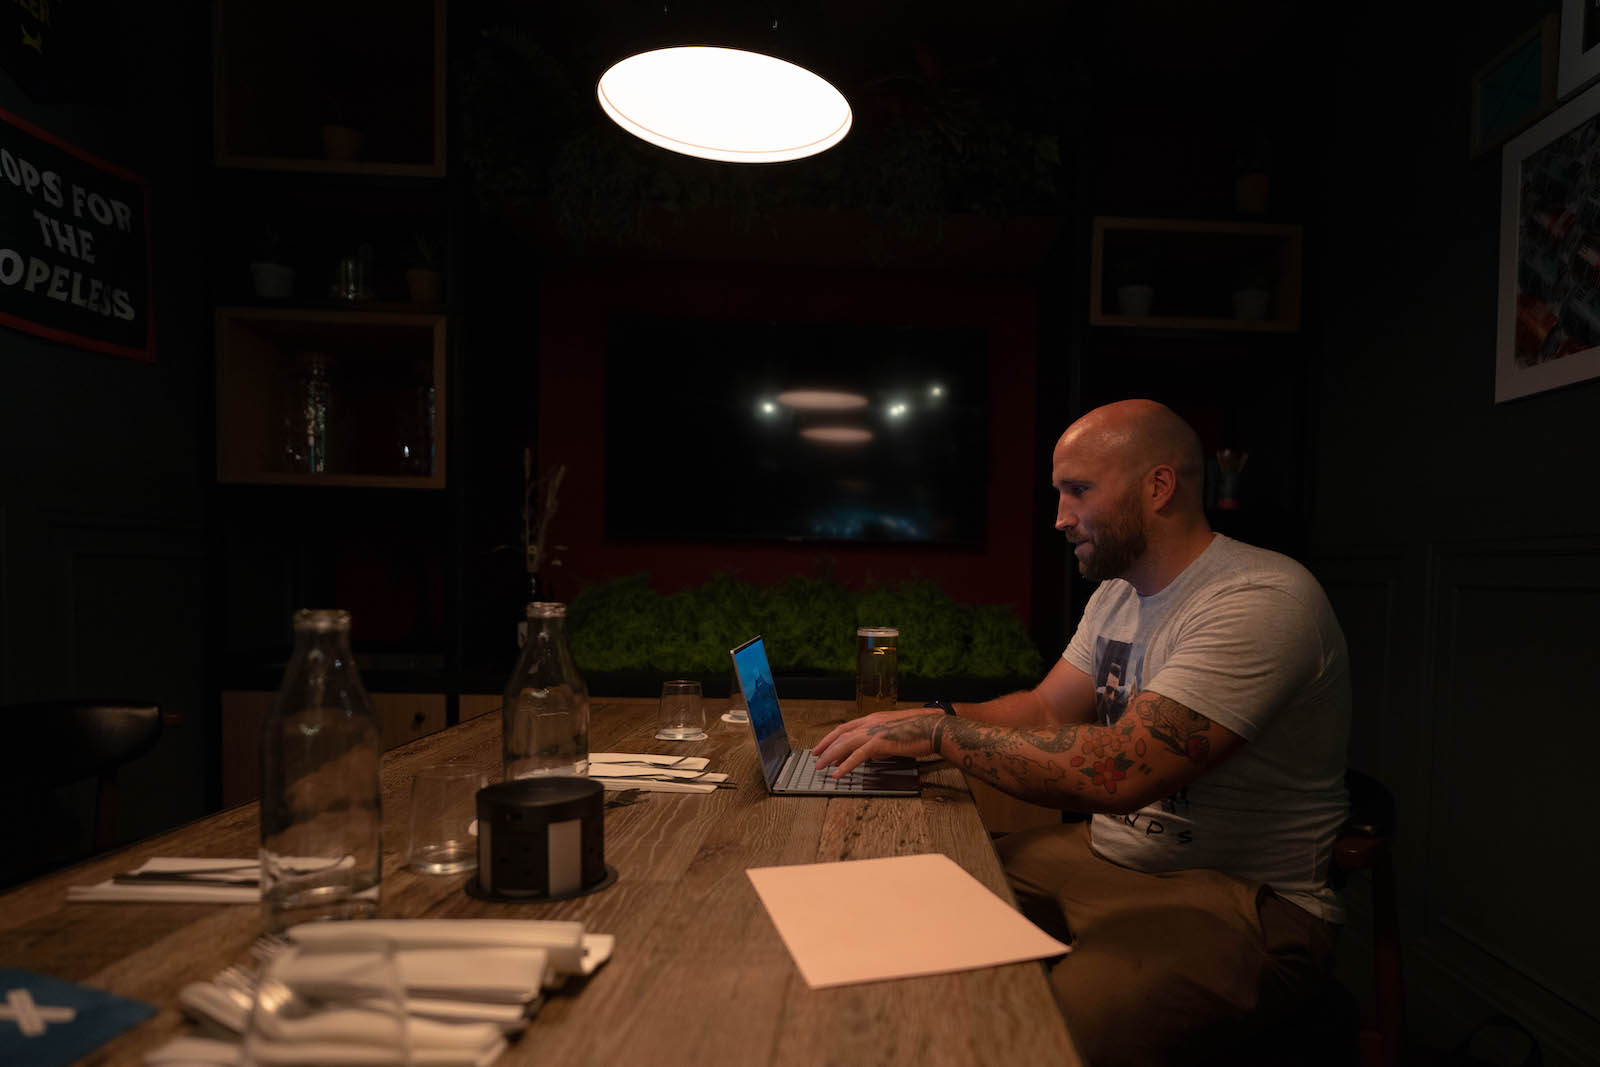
pixel 795 432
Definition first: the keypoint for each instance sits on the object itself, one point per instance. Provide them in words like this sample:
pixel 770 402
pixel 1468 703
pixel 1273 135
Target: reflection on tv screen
pixel 799 432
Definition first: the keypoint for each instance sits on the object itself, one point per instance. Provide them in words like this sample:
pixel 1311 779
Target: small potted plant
pixel 1253 298
pixel 1136 296
pixel 424 279
pixel 270 277
pixel 341 137
pixel 1252 181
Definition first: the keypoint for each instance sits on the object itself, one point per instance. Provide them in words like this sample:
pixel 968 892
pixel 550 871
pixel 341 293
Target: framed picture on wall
pixel 1516 87
pixel 1548 332
pixel 1580 45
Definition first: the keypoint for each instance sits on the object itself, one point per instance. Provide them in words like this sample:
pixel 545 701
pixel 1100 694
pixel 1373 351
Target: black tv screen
pixel 795 432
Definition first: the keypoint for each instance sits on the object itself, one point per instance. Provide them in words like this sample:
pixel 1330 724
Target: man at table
pixel 1197 896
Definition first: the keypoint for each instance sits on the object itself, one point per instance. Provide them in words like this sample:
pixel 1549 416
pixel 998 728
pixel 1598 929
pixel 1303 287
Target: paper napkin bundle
pixel 654 773
pixel 181 880
pixel 468 984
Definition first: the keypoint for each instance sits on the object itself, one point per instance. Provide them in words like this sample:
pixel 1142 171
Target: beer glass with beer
pixel 877 669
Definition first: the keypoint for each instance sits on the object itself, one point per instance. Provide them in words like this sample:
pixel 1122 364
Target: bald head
pixel 1133 437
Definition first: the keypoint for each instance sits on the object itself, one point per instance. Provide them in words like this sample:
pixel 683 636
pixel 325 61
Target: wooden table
pixel 699 975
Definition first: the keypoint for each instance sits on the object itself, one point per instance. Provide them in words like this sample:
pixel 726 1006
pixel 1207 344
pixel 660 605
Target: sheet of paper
pixel 870 920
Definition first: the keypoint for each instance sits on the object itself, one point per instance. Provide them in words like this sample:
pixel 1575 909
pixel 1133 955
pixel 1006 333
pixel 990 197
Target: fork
pixel 656 776
pixel 238 982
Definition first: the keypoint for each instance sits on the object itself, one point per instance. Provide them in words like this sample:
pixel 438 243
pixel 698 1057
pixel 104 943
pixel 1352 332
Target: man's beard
pixel 1117 544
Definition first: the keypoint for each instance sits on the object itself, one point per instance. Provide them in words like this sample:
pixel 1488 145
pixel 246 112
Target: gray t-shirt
pixel 1246 638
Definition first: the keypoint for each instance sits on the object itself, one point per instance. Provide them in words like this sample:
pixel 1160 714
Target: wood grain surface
pixel 699 974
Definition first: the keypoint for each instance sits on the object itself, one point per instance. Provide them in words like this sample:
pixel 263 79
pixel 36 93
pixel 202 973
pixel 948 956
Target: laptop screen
pixel 755 678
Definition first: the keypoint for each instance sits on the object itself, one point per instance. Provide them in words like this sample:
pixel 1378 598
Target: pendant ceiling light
pixel 726 104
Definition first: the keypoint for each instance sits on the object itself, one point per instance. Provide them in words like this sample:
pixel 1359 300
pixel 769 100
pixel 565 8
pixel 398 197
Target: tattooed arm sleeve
pixel 1156 748
pixel 1064 695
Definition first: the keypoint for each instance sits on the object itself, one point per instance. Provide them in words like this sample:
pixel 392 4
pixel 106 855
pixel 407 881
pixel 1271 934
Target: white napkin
pixel 349 1025
pixel 200 1050
pixel 567 948
pixel 230 1009
pixel 687 763
pixel 651 786
pixel 244 870
pixel 623 770
pixel 498 975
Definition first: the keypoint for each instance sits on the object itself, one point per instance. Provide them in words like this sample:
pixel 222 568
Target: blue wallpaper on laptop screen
pixel 755 678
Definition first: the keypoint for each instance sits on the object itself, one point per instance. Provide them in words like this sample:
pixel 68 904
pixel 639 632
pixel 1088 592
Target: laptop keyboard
pixel 800 772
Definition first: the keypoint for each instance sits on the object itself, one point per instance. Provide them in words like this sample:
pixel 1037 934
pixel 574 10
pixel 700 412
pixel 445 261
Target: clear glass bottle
pixel 321 798
pixel 545 729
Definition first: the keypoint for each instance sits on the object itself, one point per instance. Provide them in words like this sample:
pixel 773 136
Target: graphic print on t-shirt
pixel 1117 667
pixel 1118 678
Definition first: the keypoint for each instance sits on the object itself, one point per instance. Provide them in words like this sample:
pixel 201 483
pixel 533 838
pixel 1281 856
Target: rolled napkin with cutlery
pixel 189 1051
pixel 661 774
pixel 687 763
pixel 567 948
pixel 180 879
pixel 190 880
pixel 351 1026
pixel 226 1005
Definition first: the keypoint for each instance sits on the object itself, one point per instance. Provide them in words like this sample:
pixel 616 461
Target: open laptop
pixel 793 772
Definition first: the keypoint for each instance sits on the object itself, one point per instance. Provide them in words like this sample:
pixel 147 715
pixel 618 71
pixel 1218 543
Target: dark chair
pixel 1365 845
pixel 54 743
pixel 1329 1029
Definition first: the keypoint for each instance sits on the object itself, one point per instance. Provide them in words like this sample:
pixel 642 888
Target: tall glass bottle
pixel 321 806
pixel 545 729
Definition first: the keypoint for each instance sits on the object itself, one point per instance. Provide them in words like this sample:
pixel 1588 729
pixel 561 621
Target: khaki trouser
pixel 1181 967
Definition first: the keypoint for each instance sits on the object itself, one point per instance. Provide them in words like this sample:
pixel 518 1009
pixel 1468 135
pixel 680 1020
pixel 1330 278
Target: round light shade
pixel 837 435
pixel 724 104
pixel 821 400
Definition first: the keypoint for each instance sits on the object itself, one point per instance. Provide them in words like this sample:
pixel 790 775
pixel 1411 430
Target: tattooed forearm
pixel 917 729
pixel 1018 761
pixel 1174 725
pixel 1088 767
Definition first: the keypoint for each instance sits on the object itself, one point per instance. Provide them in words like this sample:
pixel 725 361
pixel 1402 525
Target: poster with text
pixel 74 245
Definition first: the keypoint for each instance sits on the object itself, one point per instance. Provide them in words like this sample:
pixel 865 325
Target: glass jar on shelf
pixel 307 400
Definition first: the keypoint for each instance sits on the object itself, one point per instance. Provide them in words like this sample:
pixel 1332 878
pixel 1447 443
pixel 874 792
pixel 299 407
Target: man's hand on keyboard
pixel 885 733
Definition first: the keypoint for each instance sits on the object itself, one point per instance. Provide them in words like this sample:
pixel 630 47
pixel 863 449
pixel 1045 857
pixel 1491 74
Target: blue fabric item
pixel 100 1018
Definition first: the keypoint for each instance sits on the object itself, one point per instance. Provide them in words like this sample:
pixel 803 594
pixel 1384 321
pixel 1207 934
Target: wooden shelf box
pixel 1195 268
pixel 385 374
pixel 284 70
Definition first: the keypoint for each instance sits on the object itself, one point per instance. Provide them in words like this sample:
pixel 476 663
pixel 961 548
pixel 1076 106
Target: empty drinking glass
pixel 683 713
pixel 444 803
pixel 340 1002
pixel 738 710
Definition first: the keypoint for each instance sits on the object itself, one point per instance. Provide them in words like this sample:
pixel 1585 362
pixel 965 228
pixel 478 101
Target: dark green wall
pixel 1459 539
pixel 103 458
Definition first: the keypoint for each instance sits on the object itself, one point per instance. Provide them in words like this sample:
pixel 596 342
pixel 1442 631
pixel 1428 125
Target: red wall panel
pixel 575 308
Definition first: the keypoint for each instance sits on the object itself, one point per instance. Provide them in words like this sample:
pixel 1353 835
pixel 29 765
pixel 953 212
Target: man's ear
pixel 1163 486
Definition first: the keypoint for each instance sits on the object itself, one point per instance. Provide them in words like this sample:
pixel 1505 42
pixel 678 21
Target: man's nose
pixel 1065 519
